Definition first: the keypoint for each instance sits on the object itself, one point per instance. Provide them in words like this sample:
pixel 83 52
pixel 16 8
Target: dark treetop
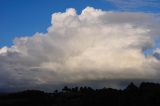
pixel 147 94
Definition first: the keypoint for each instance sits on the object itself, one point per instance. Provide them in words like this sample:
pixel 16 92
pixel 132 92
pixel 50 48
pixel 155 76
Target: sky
pixel 50 43
pixel 24 18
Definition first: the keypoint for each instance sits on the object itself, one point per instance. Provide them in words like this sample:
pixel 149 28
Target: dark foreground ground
pixel 147 94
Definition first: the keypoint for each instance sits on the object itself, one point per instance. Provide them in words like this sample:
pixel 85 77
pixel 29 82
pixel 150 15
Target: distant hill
pixel 147 94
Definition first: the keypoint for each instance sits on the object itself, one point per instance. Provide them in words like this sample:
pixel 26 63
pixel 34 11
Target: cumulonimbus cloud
pixel 94 45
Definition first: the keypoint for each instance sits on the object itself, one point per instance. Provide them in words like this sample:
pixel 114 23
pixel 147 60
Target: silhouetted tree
pixel 66 89
pixel 147 94
pixel 131 87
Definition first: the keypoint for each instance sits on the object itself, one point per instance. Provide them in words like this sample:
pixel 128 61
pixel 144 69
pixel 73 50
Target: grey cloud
pixel 156 54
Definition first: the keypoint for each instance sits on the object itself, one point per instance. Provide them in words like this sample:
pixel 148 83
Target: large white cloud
pixel 95 45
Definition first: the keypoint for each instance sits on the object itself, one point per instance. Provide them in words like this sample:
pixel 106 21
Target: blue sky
pixel 26 17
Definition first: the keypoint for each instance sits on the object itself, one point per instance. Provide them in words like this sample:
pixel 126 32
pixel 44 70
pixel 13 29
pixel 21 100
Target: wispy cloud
pixel 134 4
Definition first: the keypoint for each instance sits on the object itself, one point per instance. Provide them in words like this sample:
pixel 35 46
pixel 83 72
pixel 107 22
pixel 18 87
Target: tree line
pixel 147 94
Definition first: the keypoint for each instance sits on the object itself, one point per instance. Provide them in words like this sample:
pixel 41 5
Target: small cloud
pixel 156 53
